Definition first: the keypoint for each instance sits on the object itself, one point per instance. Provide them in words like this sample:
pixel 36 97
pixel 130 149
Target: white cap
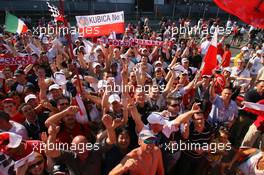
pixel 156 118
pixel 54 86
pixel 96 64
pixel 184 60
pixel 114 97
pixel 157 62
pixel 60 78
pixel 145 134
pixel 259 52
pixel 45 40
pixel 101 84
pixel 14 139
pixel 80 77
pixel 29 97
pixel 228 69
pixel 158 68
pixel 144 49
pixel 244 48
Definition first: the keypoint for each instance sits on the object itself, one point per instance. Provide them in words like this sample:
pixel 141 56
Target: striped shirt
pixel 198 140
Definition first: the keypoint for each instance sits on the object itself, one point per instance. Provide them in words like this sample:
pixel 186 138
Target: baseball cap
pixel 244 48
pixel 101 84
pixel 54 86
pixel 13 139
pixel 19 72
pixel 114 97
pixel 45 40
pixel 184 60
pixel 96 64
pixel 59 169
pixel 29 97
pixel 259 52
pixel 158 68
pixel 228 69
pixel 206 76
pixel 156 118
pixel 185 72
pixel 157 62
pixel 60 78
pixel 146 134
pixel 8 100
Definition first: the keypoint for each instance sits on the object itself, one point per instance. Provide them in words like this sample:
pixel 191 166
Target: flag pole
pixel 68 37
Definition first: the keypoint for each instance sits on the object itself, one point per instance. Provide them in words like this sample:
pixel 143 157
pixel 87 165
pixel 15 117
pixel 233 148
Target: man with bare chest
pixel 144 160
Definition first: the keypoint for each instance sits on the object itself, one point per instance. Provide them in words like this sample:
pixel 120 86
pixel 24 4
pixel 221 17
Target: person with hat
pixel 146 159
pixel 11 108
pixel 33 167
pixel 21 82
pixel 14 146
pixel 191 70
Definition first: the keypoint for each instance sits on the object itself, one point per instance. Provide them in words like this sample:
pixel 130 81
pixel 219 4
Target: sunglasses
pixel 36 164
pixel 150 141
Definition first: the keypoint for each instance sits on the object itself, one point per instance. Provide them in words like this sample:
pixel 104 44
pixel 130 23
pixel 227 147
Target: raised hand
pixel 107 121
pixel 53 130
pixel 72 110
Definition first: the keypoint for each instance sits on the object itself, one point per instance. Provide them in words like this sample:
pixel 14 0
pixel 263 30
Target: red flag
pixel 251 12
pixel 210 61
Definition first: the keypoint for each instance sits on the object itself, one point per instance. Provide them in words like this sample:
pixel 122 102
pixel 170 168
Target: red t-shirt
pixel 226 58
pixel 18 117
pixel 220 50
pixel 65 136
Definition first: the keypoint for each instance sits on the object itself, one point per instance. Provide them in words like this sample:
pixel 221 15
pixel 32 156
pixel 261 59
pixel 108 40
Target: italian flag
pixel 14 24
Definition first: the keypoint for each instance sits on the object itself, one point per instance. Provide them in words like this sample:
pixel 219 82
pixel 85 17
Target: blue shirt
pixel 221 114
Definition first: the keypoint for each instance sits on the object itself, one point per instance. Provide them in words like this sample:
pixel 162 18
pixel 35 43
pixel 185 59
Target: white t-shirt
pixel 256 65
pixel 244 74
pixel 18 129
pixel 250 166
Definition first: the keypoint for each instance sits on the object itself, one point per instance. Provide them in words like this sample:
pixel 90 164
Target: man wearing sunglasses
pixel 145 160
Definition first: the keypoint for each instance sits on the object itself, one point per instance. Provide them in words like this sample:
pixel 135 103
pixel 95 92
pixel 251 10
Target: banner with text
pixel 101 24
pixel 5 60
pixel 133 42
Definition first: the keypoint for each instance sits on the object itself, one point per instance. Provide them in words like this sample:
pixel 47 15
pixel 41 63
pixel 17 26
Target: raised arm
pixel 136 117
pixel 110 128
pixel 53 131
pixel 56 118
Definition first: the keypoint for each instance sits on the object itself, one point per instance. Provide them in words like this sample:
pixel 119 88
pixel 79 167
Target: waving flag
pixel 55 13
pixel 249 11
pixel 210 59
pixel 14 24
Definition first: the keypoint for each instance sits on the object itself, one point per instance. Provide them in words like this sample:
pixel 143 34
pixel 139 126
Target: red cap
pixel 9 100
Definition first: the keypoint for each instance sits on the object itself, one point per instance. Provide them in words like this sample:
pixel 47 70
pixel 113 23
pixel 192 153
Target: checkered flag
pixel 55 13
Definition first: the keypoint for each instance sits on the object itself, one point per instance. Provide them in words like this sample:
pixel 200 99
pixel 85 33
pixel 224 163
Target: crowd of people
pixel 133 110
